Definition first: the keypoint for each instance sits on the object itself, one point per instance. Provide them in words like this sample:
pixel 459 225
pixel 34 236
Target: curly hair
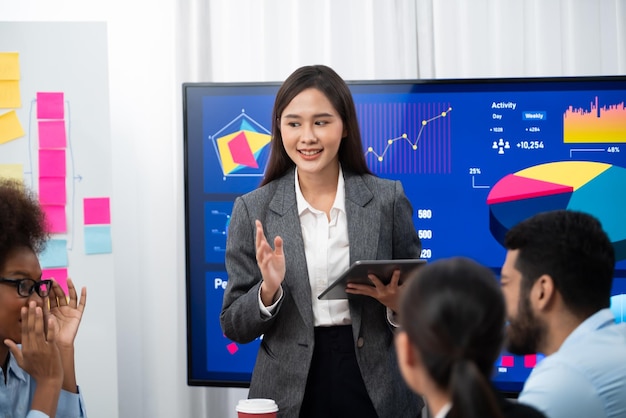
pixel 22 221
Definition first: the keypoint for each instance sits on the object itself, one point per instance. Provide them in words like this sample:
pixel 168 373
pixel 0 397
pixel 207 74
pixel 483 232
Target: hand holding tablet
pixel 359 270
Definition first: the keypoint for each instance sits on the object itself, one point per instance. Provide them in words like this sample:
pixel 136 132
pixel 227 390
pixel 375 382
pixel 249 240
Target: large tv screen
pixel 474 156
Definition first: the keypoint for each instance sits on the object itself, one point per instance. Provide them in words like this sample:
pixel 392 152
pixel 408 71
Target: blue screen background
pixel 448 141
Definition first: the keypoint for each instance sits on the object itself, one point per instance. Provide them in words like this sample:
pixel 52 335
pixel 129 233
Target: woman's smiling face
pixel 312 130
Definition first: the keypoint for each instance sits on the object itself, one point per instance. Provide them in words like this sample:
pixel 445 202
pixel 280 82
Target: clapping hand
pixel 67 313
pixel 39 355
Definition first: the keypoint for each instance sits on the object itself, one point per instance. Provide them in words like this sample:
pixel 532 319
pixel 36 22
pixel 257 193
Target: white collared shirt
pixel 16 395
pixel 586 376
pixel 327 252
pixel 443 412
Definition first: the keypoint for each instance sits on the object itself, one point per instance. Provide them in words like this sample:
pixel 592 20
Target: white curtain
pixel 497 38
pixel 265 40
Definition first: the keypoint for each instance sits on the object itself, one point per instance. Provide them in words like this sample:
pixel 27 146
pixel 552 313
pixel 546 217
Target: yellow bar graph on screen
pixel 606 124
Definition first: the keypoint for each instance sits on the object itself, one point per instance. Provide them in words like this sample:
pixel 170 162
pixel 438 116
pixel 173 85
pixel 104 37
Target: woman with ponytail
pixel 452 317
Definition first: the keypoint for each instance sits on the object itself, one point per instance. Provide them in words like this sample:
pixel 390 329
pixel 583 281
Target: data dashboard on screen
pixel 474 156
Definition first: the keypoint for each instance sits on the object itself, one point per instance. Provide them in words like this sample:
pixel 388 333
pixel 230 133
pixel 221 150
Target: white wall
pixel 54 57
pixel 147 210
pixel 149 273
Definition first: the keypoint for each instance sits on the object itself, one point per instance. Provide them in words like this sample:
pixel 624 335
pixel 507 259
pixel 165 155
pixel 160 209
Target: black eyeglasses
pixel 26 287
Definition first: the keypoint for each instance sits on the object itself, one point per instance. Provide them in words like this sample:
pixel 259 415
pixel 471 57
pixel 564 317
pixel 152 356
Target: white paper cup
pixel 256 408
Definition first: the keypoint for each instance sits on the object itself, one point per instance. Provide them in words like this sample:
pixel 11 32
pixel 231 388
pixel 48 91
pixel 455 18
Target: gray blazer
pixel 380 226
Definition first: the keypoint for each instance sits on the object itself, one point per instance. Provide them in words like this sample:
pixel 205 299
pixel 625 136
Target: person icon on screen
pixel 318 209
pixel 557 279
pixel 38 323
pixel 452 318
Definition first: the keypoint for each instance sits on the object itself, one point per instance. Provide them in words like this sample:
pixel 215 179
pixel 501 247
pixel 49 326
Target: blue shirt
pixel 17 395
pixel 586 377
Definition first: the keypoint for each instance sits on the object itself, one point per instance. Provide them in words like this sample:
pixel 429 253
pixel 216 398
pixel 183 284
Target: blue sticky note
pixel 55 254
pixel 98 239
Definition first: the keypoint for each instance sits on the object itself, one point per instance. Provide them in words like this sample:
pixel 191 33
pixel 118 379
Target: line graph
pixel 422 142
pixel 414 145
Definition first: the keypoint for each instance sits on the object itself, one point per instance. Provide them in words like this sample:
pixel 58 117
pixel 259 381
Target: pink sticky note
pixel 52 134
pixel 55 217
pixel 232 348
pixel 507 361
pixel 97 211
pixel 52 191
pixel 50 106
pixel 530 361
pixel 59 275
pixel 52 163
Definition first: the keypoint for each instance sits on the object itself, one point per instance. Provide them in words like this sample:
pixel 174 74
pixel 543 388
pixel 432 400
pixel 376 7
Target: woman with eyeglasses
pixel 38 323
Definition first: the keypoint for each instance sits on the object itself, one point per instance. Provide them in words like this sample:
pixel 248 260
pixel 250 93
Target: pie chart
pixel 598 189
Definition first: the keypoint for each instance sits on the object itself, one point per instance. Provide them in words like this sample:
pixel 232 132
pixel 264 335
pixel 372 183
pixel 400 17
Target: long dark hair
pixel 454 314
pixel 326 80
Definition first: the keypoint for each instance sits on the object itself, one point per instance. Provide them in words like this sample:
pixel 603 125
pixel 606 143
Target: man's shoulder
pixel 580 378
pixel 556 372
pixel 559 390
pixel 601 349
pixel 593 358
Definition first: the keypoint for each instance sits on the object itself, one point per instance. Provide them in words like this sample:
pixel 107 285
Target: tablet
pixel 358 271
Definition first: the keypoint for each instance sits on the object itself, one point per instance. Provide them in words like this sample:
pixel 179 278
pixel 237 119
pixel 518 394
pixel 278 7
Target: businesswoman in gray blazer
pixel 318 209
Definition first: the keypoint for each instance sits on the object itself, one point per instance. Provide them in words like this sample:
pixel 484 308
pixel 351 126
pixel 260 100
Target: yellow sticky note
pixel 12 171
pixel 10 94
pixel 9 66
pixel 10 127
